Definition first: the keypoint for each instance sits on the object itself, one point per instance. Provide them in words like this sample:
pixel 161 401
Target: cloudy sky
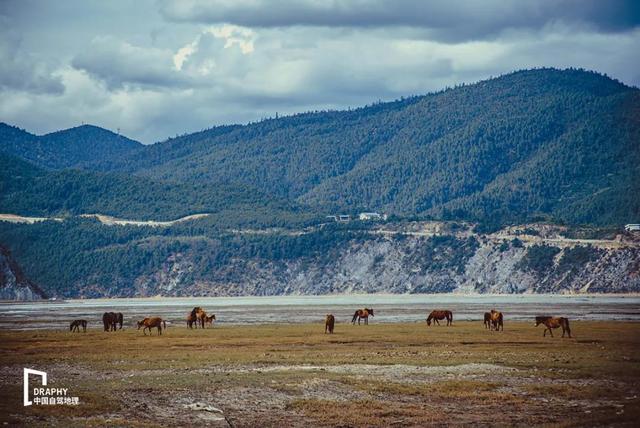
pixel 154 69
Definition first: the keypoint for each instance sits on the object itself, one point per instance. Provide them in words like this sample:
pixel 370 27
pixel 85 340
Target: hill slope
pixel 67 148
pixel 26 189
pixel 561 145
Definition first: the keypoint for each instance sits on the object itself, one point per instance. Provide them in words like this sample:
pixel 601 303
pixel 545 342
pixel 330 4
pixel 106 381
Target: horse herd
pixel 111 321
pixel 493 320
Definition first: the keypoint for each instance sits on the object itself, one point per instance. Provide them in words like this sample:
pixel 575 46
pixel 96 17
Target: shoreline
pixel 330 296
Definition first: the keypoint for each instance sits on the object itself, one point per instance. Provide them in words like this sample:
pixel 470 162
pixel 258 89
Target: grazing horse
pixel 362 314
pixel 440 315
pixel 210 319
pixel 110 319
pixel 554 322
pixel 149 323
pixel 75 325
pixel 487 320
pixel 497 320
pixel 329 323
pixel 192 320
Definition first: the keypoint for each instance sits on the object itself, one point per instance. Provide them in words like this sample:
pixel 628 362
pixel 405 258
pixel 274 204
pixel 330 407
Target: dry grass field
pixel 295 375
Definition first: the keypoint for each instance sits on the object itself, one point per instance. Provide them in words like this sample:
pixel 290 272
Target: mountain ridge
pixel 66 148
pixel 542 144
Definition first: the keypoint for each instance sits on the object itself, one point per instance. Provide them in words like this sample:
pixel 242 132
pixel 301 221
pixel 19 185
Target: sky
pixel 154 69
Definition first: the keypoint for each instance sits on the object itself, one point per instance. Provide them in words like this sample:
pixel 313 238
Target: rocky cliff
pixel 421 262
pixel 13 284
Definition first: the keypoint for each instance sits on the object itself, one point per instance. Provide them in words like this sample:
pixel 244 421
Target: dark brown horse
pixel 329 323
pixel 554 322
pixel 76 324
pixel 497 320
pixel 192 320
pixel 362 314
pixel 440 315
pixel 111 319
pixel 487 320
pixel 153 322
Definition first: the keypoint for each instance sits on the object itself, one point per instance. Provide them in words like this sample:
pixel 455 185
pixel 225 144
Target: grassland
pixel 295 375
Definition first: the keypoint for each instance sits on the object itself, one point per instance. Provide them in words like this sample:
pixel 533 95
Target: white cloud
pixel 231 34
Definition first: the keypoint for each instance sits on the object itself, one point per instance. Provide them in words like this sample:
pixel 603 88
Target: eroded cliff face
pixel 459 263
pixel 13 284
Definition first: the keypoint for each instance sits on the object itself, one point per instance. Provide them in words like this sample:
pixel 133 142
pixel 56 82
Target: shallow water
pixel 304 309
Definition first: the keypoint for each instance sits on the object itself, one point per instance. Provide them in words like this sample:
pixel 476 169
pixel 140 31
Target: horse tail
pixel 165 324
pixel 355 316
pixel 566 321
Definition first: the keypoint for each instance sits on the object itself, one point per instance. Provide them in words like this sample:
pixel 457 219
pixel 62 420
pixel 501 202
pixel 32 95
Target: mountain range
pixel 541 146
pixel 545 144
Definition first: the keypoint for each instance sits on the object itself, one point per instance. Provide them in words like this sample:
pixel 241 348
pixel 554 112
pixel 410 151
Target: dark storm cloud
pixel 156 69
pixel 446 19
pixel 119 64
pixel 22 71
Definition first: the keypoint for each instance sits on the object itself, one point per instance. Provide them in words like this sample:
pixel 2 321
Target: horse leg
pixel 551 332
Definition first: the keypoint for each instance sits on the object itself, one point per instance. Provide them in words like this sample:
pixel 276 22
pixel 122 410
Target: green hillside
pixel 545 144
pixel 29 190
pixel 68 148
pixel 537 144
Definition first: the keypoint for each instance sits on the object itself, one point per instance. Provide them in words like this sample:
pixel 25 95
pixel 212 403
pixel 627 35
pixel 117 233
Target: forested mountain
pixel 536 144
pixel 32 191
pixel 68 148
pixel 544 144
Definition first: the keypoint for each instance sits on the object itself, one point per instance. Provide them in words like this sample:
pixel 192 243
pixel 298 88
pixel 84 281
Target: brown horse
pixel 362 314
pixel 111 319
pixel 329 323
pixel 196 317
pixel 199 314
pixel 210 319
pixel 440 315
pixel 487 320
pixel 554 322
pixel 497 320
pixel 76 324
pixel 149 323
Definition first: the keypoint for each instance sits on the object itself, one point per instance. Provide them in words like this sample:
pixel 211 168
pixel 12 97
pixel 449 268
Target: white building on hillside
pixel 372 216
